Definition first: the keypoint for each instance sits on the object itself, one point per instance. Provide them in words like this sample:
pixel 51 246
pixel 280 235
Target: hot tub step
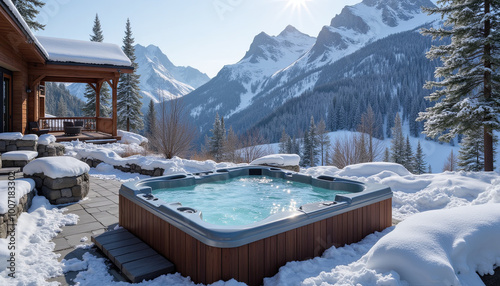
pixel 135 259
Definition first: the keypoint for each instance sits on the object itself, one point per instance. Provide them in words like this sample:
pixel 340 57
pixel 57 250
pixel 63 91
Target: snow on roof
pixel 57 167
pixel 84 52
pixel 24 26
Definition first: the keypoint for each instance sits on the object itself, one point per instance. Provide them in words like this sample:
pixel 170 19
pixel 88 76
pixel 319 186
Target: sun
pixel 297 4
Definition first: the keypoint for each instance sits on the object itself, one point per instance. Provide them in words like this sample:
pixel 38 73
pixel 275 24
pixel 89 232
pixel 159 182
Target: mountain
pixel 387 75
pixel 60 103
pixel 234 87
pixel 160 78
pixel 354 28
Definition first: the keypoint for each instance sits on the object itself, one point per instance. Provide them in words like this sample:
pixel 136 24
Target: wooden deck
pixel 84 136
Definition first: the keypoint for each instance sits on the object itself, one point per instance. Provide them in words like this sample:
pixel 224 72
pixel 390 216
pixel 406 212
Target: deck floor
pixel 84 136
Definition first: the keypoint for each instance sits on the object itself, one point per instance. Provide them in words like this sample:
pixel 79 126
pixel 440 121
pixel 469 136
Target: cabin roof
pixel 66 51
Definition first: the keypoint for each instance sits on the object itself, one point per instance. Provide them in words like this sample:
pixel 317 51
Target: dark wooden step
pixel 135 259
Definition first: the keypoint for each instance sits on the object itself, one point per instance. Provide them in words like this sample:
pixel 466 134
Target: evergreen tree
pixel 469 86
pixel 29 9
pixel 451 162
pixel 62 108
pixel 323 141
pixel 387 155
pixel 129 98
pixel 150 119
pixel 217 140
pixel 284 141
pixel 105 109
pixel 419 163
pixel 408 160
pixel 470 155
pixel 310 152
pixel 295 146
pixel 397 142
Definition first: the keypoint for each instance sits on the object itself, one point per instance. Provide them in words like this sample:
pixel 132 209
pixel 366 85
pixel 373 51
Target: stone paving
pixel 97 213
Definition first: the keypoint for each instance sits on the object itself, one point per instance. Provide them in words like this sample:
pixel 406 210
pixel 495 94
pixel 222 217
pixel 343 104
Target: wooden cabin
pixel 27 62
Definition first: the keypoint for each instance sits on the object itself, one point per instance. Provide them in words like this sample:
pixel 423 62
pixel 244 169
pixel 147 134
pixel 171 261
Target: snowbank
pixel 278 160
pixel 35 259
pixel 30 137
pixel 46 139
pixel 22 187
pixel 57 167
pixel 131 138
pixel 442 247
pixel 110 156
pixel 418 193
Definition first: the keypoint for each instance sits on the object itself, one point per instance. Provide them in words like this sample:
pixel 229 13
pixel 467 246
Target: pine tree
pixel 90 94
pixel 217 140
pixel 470 155
pixel 387 155
pixel 451 162
pixel 310 152
pixel 469 86
pixel 323 141
pixel 150 119
pixel 419 163
pixel 129 98
pixel 284 142
pixel 398 141
pixel 408 156
pixel 29 9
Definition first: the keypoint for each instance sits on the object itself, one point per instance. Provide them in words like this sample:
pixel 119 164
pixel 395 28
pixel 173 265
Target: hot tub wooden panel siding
pixel 252 262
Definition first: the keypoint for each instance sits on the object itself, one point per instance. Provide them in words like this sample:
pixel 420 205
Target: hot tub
pixel 209 251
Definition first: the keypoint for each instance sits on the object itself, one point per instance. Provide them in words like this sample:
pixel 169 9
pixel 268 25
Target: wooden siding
pixel 251 263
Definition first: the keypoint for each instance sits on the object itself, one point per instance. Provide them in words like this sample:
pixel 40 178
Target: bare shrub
pixel 172 135
pixel 252 147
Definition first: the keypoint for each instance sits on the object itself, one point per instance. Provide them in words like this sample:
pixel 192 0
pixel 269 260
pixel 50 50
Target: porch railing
pixel 56 124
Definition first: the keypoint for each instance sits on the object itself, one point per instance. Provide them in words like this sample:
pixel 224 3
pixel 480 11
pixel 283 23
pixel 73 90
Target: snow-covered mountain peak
pixel 366 22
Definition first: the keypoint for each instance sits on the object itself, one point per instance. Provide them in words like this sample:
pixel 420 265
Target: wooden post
pixel 98 99
pixel 114 87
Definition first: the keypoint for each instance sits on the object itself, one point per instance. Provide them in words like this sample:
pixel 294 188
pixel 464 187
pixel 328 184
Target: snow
pixel 11 136
pixel 278 160
pixel 19 155
pixel 30 137
pixel 21 188
pixel 132 138
pixel 35 258
pixel 85 52
pixel 440 213
pixel 111 156
pixel 46 139
pixel 444 247
pixel 57 167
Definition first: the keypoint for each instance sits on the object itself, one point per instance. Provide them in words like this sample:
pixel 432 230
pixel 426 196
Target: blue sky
pixel 205 34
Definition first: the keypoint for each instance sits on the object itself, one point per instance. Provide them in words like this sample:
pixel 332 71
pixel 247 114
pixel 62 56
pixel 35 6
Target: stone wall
pixel 62 190
pixel 23 206
pixel 53 149
pixel 17 145
pixel 129 168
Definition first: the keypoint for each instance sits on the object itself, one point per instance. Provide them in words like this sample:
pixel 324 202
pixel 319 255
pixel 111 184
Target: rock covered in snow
pixel 46 139
pixel 278 160
pixel 441 247
pixel 11 136
pixel 130 137
pixel 22 187
pixel 57 167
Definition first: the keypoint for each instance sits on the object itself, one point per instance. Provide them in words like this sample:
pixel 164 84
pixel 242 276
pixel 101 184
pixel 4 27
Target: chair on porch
pixel 71 129
pixel 35 129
